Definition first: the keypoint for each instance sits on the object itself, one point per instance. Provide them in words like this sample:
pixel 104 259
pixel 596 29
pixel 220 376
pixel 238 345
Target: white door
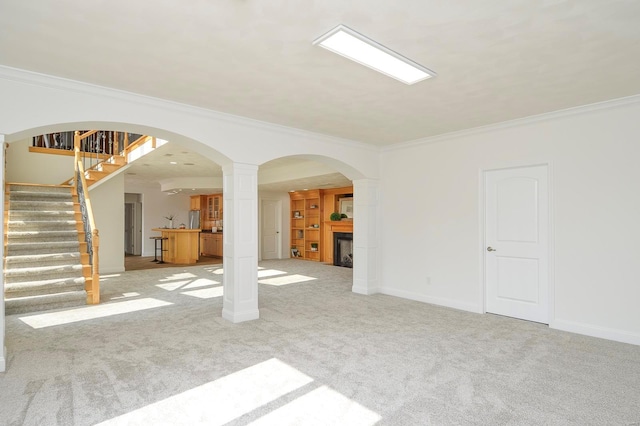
pixel 517 243
pixel 271 229
pixel 129 234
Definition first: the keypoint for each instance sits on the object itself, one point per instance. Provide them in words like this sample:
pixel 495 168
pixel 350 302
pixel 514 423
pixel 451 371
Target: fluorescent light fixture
pixel 352 45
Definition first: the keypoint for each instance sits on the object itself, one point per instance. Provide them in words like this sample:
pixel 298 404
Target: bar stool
pixel 155 251
pixel 162 248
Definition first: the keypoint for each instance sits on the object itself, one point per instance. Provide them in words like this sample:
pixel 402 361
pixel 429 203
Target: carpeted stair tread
pixel 47 286
pixel 28 304
pixel 50 259
pixel 39 196
pixel 37 226
pixel 41 215
pixel 16 187
pixel 42 205
pixel 43 236
pixel 26 248
pixel 42 272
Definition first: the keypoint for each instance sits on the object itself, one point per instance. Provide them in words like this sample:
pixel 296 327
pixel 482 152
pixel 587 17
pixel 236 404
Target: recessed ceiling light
pixel 172 162
pixel 352 45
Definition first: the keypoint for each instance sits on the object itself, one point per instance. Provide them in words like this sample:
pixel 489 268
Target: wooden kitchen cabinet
pixel 211 244
pixel 214 207
pixel 196 203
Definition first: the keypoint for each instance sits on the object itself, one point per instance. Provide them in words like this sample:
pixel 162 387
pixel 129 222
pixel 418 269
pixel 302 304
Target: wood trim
pixel 70 153
pixel 329 228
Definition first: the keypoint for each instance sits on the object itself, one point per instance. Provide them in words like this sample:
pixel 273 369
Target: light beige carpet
pixel 158 352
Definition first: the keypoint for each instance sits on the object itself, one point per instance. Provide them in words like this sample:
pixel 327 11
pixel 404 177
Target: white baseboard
pixel 596 331
pixel 440 301
pixel 365 290
pixel 3 360
pixel 236 317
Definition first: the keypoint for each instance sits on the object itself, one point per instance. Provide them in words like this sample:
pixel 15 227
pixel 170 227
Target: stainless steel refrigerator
pixel 194 219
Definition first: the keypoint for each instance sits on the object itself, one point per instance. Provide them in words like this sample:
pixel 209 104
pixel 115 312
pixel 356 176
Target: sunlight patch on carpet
pixel 205 293
pixel 322 406
pixel 289 279
pixel 220 401
pixel 173 286
pixel 92 312
pixel 125 295
pixel 181 276
pixel 262 273
pixel 201 282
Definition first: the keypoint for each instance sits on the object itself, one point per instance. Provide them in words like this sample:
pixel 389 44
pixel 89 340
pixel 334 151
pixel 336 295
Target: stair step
pixel 13 187
pixel 35 303
pixel 41 225
pixel 116 159
pixel 108 167
pixel 95 174
pixel 42 236
pixel 42 205
pixel 25 261
pixel 42 273
pixel 44 286
pixel 39 196
pixel 41 215
pixel 30 248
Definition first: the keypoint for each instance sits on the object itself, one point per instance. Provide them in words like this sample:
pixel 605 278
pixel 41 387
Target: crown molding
pixel 60 83
pixel 583 109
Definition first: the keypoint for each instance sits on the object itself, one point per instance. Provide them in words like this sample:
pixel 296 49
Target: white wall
pixel 431 214
pixel 3 349
pixel 107 201
pixel 155 206
pixel 31 167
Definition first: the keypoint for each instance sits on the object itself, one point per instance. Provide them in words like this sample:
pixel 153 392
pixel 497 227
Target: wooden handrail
pixel 141 140
pixel 93 291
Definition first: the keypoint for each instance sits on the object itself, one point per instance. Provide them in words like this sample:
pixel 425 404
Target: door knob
pixel 491 249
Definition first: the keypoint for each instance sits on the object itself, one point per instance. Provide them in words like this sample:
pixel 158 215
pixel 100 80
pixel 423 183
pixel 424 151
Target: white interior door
pixel 137 229
pixel 517 243
pixel 271 228
pixel 129 220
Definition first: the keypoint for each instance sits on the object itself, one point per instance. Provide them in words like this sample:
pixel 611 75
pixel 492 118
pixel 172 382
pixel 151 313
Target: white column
pixel 240 251
pixel 3 349
pixel 366 262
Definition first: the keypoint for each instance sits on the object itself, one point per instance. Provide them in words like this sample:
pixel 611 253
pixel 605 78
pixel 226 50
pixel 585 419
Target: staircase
pixel 101 170
pixel 44 268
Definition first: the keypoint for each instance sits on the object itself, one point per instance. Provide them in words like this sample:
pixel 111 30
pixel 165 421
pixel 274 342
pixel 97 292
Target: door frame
pixel 482 236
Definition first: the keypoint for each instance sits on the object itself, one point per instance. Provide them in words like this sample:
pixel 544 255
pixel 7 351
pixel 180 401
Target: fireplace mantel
pixel 331 226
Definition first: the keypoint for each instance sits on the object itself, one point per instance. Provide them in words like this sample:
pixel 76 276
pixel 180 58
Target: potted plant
pixel 170 219
pixel 335 216
pixel 314 246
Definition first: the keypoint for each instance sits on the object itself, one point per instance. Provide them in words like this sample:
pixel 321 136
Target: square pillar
pixel 3 349
pixel 366 262
pixel 240 238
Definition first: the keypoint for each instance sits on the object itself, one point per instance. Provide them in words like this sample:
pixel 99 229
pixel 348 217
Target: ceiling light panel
pixel 352 45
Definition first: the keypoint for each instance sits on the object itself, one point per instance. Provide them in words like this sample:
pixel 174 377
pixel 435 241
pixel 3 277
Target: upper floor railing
pixel 105 142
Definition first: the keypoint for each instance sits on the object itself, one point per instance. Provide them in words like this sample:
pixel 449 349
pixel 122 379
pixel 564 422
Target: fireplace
pixel 343 249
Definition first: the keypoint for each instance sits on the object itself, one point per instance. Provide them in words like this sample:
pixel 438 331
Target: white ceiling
pixel 496 60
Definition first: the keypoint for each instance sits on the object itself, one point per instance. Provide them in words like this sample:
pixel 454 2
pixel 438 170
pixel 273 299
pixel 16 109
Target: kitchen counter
pixel 181 245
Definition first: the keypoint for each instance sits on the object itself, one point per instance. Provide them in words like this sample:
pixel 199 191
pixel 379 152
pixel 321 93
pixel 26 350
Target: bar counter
pixel 181 245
